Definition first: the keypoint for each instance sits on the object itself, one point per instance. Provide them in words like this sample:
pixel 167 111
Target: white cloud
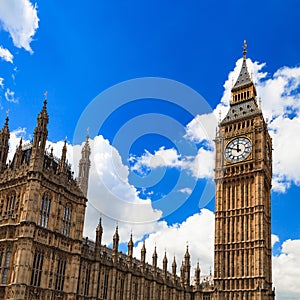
pixel 19 18
pixel 274 239
pixel 197 231
pixel 281 106
pixel 199 166
pixel 10 96
pixel 202 164
pixel 6 55
pixel 186 190
pixel 107 171
pixel 111 194
pixel 109 190
pixel 202 128
pixel 1 82
pixel 14 141
pixel 286 271
pixel 161 158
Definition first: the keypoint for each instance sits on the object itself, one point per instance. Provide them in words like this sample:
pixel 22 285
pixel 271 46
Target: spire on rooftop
pixel 244 78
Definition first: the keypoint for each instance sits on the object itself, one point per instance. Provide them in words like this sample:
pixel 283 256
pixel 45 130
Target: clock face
pixel 238 149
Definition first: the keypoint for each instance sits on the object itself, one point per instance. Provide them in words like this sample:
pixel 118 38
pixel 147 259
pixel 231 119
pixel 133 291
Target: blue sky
pixel 76 50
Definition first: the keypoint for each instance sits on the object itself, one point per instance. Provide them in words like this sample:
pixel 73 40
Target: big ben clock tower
pixel 243 173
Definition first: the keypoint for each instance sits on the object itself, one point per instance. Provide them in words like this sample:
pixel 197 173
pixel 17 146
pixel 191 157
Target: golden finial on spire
pixel 245 49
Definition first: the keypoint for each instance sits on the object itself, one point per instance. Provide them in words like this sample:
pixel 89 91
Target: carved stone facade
pixel 42 207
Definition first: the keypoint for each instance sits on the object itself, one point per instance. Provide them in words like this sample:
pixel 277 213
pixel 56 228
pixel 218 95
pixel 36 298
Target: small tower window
pixel 44 211
pixel 5 268
pixel 10 204
pixel 66 222
pixel 105 286
pixel 60 274
pixel 87 280
pixel 37 268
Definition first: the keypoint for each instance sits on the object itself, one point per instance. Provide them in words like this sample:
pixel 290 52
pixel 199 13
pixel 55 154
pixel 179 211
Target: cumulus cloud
pixel 197 231
pixel 186 190
pixel 280 101
pixel 19 18
pixel 10 96
pixel 199 166
pixel 286 271
pixel 202 128
pixel 110 193
pixel 107 170
pixel 161 158
pixel 1 82
pixel 6 55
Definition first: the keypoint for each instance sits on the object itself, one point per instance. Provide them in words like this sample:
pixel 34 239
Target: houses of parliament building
pixel 43 254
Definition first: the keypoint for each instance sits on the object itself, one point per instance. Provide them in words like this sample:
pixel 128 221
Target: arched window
pixel 44 210
pixel 105 285
pixel 66 221
pixel 60 274
pixel 10 204
pixel 5 266
pixel 87 280
pixel 37 268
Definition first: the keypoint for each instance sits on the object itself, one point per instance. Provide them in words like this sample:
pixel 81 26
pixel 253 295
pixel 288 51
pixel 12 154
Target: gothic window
pixel 5 265
pixel 158 292
pixel 135 290
pixel 147 291
pixel 10 204
pixel 66 222
pixel 105 286
pixel 206 297
pixel 87 280
pixel 122 288
pixel 37 268
pixel 44 210
pixel 60 274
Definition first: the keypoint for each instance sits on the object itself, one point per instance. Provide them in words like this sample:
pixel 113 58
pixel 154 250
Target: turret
pixel 165 265
pixel 174 266
pixel 18 155
pixel 99 232
pixel 197 274
pixel 154 261
pixel 143 253
pixel 182 274
pixel 4 139
pixel 40 138
pixel 62 166
pixel 143 257
pixel 130 251
pixel 84 167
pixel 115 244
pixel 187 267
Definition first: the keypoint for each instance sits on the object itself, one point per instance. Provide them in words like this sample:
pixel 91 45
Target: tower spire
pixel 99 232
pixel 84 167
pixel 62 162
pixel 4 139
pixel 244 88
pixel 40 138
pixel 245 49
